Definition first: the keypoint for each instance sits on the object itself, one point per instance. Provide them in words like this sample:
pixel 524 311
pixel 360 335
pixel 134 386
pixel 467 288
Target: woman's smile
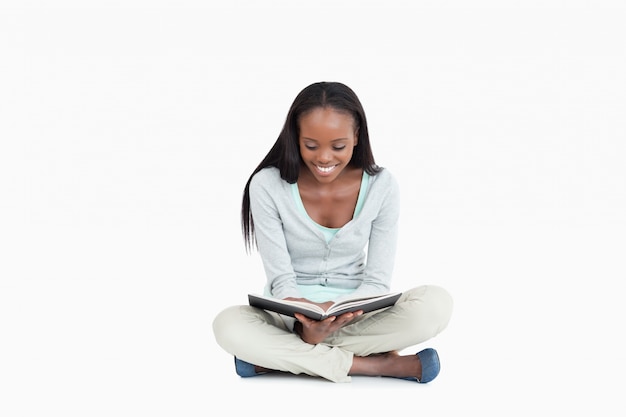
pixel 325 170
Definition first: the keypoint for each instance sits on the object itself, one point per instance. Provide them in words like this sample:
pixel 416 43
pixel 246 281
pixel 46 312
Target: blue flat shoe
pixel 245 369
pixel 430 366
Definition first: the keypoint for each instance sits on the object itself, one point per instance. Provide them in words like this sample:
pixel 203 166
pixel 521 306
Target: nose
pixel 324 156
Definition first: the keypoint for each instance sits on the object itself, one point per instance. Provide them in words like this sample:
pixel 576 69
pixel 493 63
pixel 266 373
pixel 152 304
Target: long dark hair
pixel 285 154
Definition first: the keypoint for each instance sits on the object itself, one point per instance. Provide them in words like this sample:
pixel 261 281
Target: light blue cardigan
pixel 295 252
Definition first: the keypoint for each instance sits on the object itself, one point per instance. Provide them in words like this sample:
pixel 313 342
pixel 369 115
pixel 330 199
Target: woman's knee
pixel 433 304
pixel 441 302
pixel 226 327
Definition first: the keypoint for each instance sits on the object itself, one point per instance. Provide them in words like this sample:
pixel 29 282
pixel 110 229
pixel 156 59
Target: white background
pixel 128 129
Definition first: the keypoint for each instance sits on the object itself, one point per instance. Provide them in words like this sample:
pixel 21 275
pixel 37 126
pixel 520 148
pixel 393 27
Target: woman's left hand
pixel 314 331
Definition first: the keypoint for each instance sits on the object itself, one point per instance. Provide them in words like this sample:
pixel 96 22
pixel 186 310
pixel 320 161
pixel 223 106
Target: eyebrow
pixel 315 140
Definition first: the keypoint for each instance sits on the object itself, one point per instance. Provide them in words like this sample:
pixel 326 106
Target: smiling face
pixel 327 140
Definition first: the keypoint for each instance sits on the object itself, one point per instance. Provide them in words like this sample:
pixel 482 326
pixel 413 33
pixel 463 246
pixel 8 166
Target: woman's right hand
pixel 315 331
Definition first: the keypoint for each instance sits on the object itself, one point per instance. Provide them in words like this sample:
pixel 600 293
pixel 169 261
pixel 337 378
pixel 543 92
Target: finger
pixel 351 316
pixel 348 317
pixel 305 320
pixel 301 318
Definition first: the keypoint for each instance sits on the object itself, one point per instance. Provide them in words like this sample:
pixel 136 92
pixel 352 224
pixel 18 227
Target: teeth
pixel 326 169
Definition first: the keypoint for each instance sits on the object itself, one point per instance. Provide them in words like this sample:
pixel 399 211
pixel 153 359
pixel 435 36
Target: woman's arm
pixel 270 238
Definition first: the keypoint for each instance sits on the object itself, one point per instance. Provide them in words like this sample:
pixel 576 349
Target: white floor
pixel 126 350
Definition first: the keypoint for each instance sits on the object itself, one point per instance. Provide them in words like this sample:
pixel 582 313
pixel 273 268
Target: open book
pixel 313 311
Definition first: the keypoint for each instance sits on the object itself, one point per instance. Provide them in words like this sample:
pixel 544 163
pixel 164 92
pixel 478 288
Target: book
pixel 289 307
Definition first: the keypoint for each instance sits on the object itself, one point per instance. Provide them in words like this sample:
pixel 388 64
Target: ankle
pixel 389 364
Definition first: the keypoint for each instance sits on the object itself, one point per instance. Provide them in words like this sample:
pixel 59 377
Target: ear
pixel 356 137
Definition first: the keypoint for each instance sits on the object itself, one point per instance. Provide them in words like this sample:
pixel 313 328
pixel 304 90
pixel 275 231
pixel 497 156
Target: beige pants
pixel 266 339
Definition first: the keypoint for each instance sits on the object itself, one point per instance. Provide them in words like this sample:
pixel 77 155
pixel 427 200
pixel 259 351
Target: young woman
pixel 324 218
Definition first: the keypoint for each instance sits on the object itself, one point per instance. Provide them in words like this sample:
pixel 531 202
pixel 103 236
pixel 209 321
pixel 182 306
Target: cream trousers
pixel 266 338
